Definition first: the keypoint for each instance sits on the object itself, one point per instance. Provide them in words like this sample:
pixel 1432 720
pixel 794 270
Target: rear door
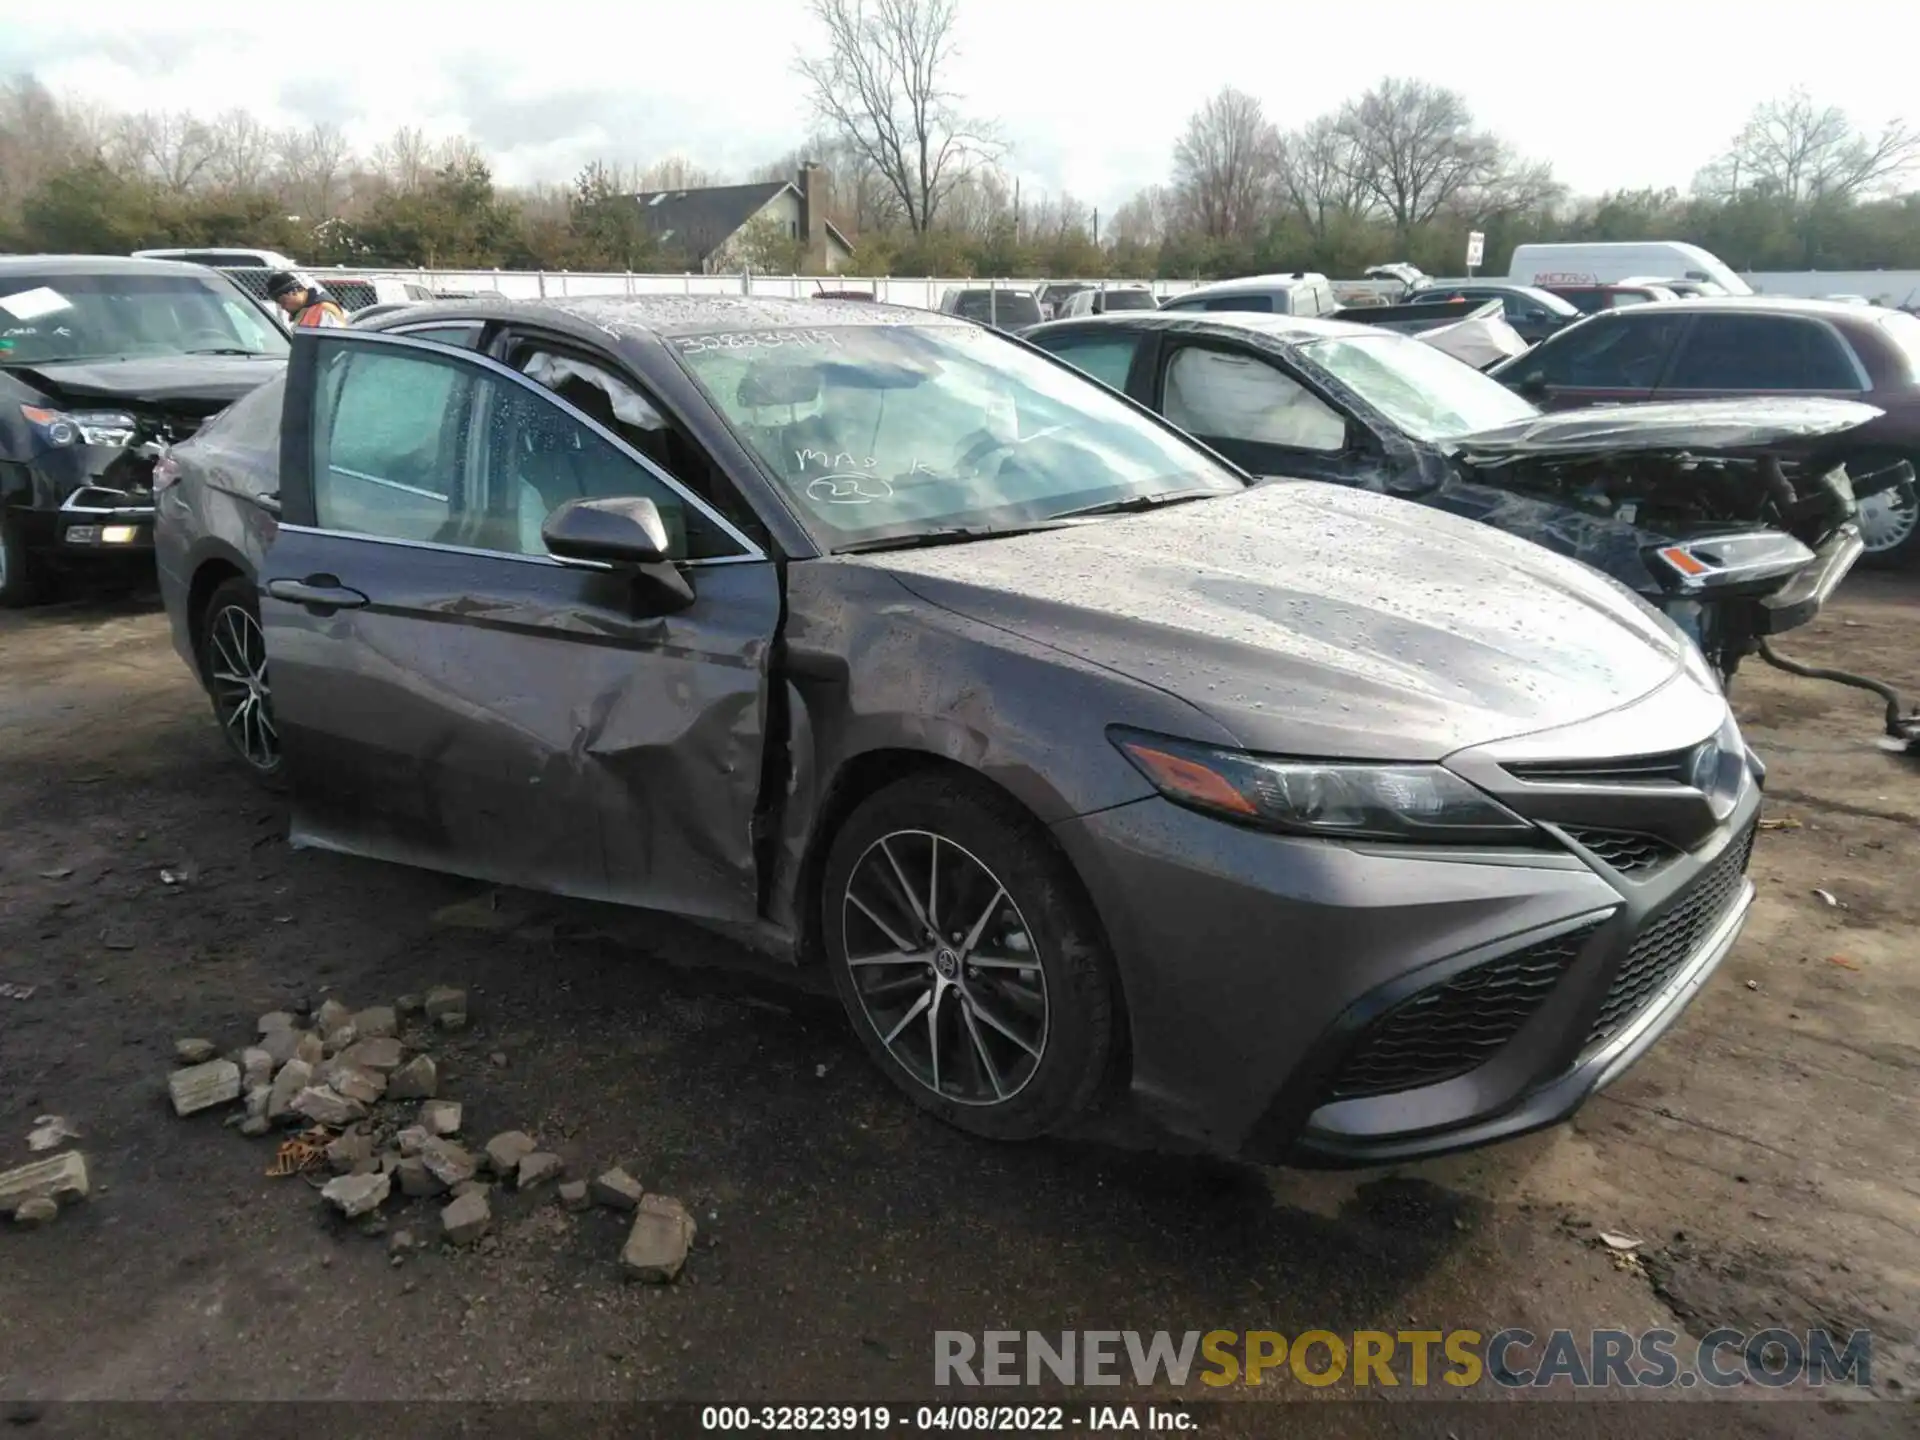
pixel 450 695
pixel 1753 354
pixel 1252 410
pixel 1611 359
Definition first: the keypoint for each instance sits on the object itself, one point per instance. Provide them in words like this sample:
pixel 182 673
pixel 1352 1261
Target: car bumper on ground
pixel 1327 1003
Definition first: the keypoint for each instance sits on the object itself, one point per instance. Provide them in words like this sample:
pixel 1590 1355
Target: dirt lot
pixel 1768 1152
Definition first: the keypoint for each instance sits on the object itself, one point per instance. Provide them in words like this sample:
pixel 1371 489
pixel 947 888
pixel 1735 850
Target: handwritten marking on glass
pixel 754 340
pixel 848 489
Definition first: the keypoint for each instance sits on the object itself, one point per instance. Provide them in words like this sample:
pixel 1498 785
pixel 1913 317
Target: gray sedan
pixel 1329 827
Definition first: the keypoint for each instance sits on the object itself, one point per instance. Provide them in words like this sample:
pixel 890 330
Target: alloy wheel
pixel 1886 519
pixel 945 968
pixel 237 670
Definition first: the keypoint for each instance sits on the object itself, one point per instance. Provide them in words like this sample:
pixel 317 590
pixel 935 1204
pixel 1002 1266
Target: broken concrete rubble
pixel 345 1153
pixel 32 1214
pixel 356 1083
pixel 471 1187
pixel 446 1007
pixel 506 1150
pixel 416 1179
pixel 310 1048
pixel 200 1087
pixel 294 1077
pixel 447 1162
pixel 254 1126
pixel 617 1190
pixel 466 1219
pixel 533 1169
pixel 275 1020
pixel 573 1195
pixel 326 1106
pixel 340 1037
pixel 62 1179
pixel 382 1054
pixel 418 1079
pixel 280 1045
pixel 331 1016
pixel 376 1023
pixel 256 1068
pixel 413 1139
pixel 258 1099
pixel 441 1117
pixel 657 1246
pixel 354 1195
pixel 194 1052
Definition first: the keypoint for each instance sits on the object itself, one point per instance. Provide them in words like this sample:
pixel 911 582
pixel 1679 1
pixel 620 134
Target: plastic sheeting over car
pixel 1479 341
pixel 1690 427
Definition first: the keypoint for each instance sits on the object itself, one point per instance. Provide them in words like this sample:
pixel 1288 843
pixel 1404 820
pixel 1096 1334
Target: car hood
pixel 196 384
pixel 1696 427
pixel 1314 619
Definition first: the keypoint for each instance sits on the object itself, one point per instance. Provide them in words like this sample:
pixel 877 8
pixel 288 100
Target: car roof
pixel 94 265
pixel 1761 304
pixel 666 315
pixel 1284 280
pixel 1292 329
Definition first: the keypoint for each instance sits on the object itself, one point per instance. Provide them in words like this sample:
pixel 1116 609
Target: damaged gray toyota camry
pixel 1332 828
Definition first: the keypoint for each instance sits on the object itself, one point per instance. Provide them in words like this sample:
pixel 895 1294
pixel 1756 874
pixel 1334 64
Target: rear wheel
pixel 20 579
pixel 967 960
pixel 233 667
pixel 1890 525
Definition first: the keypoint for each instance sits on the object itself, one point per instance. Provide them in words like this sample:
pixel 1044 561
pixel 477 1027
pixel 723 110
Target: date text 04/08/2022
pixel 944 1417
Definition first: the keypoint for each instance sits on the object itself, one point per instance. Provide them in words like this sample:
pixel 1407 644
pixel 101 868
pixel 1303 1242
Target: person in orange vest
pixel 306 304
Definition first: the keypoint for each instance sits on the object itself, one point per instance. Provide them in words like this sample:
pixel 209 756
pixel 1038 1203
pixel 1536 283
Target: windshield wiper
pixel 1135 503
pixel 223 350
pixel 946 535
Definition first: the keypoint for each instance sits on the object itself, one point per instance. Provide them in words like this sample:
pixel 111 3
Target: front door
pixel 450 695
pixel 1614 359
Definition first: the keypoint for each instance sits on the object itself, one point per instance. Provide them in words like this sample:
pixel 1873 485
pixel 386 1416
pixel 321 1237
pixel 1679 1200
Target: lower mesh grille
pixel 1671 939
pixel 1625 851
pixel 1455 1027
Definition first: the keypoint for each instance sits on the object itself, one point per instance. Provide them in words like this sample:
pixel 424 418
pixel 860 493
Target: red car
pixel 1759 346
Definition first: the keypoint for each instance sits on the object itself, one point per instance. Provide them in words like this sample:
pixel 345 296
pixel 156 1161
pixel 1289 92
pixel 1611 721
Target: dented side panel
pixel 515 720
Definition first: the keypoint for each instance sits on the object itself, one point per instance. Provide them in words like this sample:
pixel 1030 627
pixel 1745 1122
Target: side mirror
pixel 623 531
pixel 1534 382
pixel 628 535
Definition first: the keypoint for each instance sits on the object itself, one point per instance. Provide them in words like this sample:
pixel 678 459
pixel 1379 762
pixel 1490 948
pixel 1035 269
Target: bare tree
pixel 1144 220
pixel 1414 149
pixel 1809 155
pixel 244 152
pixel 1321 177
pixel 881 86
pixel 677 172
pixel 174 148
pixel 39 135
pixel 1226 164
pixel 404 159
pixel 315 162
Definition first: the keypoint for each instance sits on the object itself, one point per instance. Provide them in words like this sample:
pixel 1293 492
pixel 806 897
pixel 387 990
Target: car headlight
pixel 85 427
pixel 1321 797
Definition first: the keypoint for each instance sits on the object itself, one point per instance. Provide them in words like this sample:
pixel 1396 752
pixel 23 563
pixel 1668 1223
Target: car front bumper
pixel 1323 1003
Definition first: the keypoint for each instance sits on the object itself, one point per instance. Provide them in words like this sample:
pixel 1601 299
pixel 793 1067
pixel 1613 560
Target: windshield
pixel 1001 307
pixel 1427 393
pixel 890 431
pixel 100 317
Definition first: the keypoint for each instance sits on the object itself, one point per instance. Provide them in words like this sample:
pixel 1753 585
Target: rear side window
pixel 1762 352
pixel 1259 304
pixel 1107 358
pixel 1623 354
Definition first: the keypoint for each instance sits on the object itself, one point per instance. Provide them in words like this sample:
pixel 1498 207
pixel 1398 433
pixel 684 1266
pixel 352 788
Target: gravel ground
pixel 1768 1152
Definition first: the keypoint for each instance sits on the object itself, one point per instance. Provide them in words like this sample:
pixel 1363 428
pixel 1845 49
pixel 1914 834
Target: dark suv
pixel 103 361
pixel 1002 309
pixel 1750 345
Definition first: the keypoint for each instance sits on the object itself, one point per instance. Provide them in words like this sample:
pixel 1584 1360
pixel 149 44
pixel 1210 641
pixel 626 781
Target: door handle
pixel 319 593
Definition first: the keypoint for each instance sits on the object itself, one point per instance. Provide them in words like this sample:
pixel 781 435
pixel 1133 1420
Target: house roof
pixel 707 217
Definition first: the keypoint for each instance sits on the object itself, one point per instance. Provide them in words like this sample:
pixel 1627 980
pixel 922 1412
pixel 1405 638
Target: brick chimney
pixel 813 217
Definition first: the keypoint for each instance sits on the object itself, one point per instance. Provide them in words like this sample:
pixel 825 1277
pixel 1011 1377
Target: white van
pixel 1612 262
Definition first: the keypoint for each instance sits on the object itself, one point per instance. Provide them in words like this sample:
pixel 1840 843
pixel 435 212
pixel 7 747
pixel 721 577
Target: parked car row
pixel 1031 686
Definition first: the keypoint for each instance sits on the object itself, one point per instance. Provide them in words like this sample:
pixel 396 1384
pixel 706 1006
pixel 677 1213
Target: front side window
pixel 416 447
pixel 1624 354
pixel 1107 358
pixel 1761 352
pixel 1425 392
pixel 887 431
pixel 1256 304
pixel 1221 396
pixel 53 317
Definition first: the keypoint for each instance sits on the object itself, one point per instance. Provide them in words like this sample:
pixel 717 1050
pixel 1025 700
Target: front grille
pixel 1671 939
pixel 1670 768
pixel 1625 851
pixel 1455 1027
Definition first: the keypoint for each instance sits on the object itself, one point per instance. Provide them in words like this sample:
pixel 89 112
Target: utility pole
pixel 1016 209
pixel 1096 226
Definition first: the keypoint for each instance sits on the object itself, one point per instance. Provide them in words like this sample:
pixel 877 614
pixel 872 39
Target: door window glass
pixel 1608 354
pixel 1219 396
pixel 416 447
pixel 1107 358
pixel 1761 352
pixel 1262 304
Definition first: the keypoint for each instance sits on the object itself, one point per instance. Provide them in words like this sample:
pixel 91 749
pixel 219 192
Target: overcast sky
pixel 1090 96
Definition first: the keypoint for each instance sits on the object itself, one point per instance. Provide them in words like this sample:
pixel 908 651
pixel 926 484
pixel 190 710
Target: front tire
pixel 967 958
pixel 20 577
pixel 233 670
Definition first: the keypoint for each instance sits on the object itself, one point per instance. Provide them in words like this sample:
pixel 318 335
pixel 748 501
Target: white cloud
pixel 1092 96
